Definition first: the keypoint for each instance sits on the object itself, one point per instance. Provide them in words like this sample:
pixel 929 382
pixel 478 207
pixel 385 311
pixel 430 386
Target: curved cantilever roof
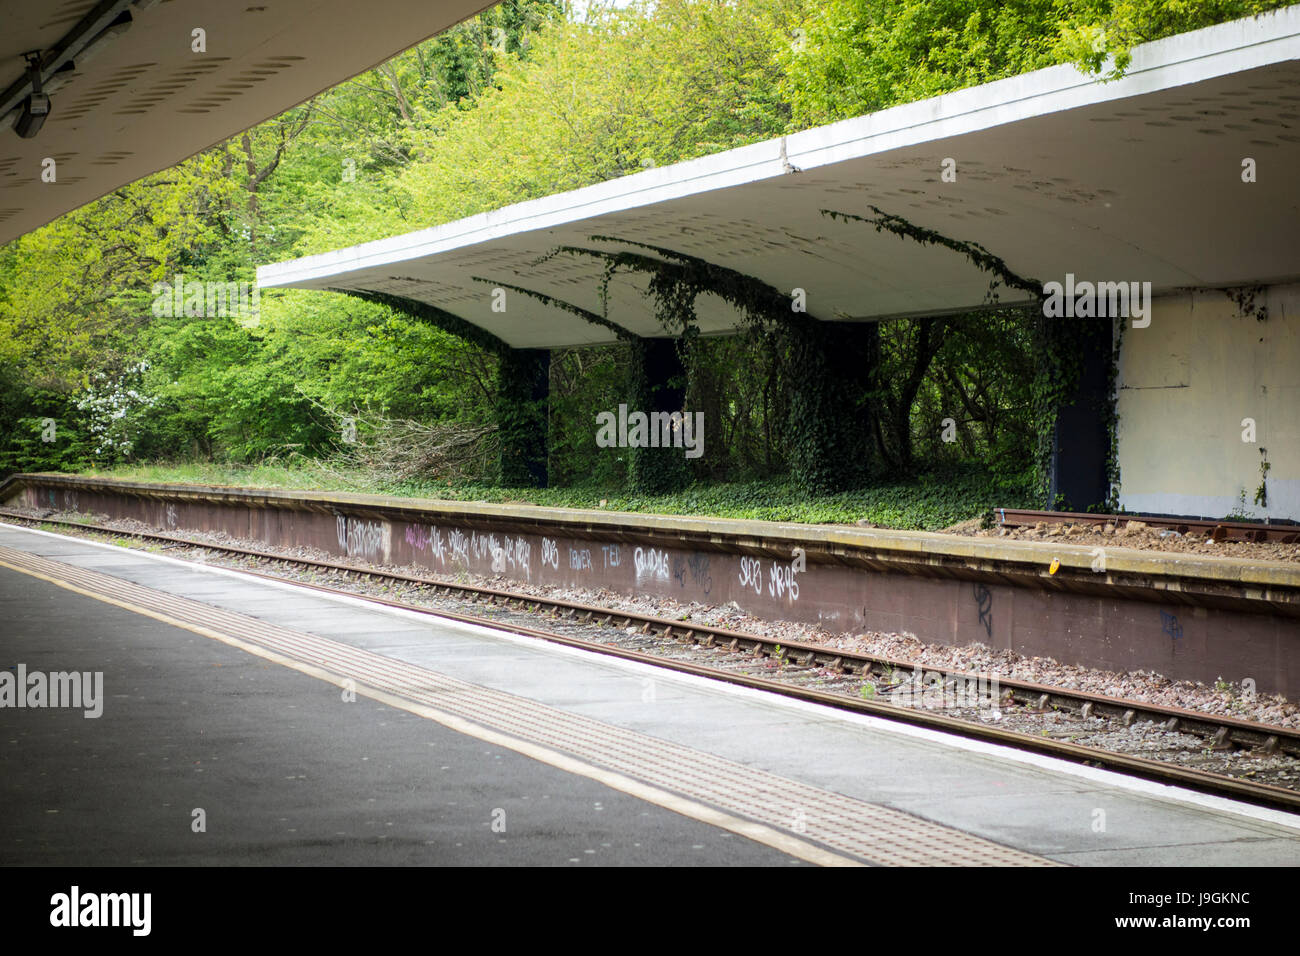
pixel 141 100
pixel 1134 180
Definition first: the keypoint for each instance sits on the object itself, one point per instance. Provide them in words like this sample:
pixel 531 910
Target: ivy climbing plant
pixel 1059 346
pixel 830 364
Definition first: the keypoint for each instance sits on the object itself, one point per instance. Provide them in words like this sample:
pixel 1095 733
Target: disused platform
pixel 1185 616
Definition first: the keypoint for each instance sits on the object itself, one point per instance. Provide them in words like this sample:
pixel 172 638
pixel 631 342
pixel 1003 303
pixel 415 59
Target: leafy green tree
pixel 865 55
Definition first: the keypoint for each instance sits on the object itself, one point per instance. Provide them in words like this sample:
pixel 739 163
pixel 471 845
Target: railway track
pixel 800 665
pixel 1285 533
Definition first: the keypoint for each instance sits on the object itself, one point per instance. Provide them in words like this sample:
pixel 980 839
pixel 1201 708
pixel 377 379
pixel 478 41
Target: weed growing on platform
pixel 929 502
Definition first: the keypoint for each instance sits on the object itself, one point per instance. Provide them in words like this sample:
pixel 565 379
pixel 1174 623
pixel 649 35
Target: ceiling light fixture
pixel 36 107
pixel 28 97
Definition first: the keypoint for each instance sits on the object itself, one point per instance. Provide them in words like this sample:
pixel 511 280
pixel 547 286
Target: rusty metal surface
pixel 1226 625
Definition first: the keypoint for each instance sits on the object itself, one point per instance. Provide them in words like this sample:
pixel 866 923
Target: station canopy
pixel 1135 180
pixel 129 96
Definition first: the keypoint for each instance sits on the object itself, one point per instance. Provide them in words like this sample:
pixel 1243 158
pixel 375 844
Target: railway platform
pixel 251 721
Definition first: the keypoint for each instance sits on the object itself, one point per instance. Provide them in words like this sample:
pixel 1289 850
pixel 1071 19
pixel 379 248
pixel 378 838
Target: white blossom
pixel 108 403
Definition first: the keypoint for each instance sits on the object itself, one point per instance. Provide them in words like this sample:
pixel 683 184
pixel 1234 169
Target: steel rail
pixel 1286 533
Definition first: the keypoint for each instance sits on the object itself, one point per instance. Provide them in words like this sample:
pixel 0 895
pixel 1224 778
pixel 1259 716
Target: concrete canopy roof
pixel 143 101
pixel 1134 180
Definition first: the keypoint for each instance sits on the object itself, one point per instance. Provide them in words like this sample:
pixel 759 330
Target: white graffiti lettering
pixel 751 574
pixel 781 580
pixel 490 546
pixel 361 539
pixel 459 545
pixel 516 553
pixel 650 562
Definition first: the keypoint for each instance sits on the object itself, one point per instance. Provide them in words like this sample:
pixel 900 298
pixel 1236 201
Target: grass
pixel 929 502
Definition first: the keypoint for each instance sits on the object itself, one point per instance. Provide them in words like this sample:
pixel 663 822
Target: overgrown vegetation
pixel 517 103
pixel 929 501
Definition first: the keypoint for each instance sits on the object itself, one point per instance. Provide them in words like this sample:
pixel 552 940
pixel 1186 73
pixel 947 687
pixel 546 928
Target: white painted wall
pixel 1186 384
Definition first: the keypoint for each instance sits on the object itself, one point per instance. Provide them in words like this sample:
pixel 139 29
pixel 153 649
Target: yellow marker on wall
pixel 1056 563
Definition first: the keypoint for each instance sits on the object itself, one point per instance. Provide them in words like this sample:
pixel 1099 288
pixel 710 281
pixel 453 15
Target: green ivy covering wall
pixel 522 389
pixel 657 383
pixel 831 364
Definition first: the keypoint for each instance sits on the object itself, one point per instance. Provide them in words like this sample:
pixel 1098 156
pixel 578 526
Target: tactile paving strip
pixel 867 831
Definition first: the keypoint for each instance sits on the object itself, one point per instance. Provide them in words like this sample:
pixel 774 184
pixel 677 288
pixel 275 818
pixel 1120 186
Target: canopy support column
pixel 1077 467
pixel 522 414
pixel 659 385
